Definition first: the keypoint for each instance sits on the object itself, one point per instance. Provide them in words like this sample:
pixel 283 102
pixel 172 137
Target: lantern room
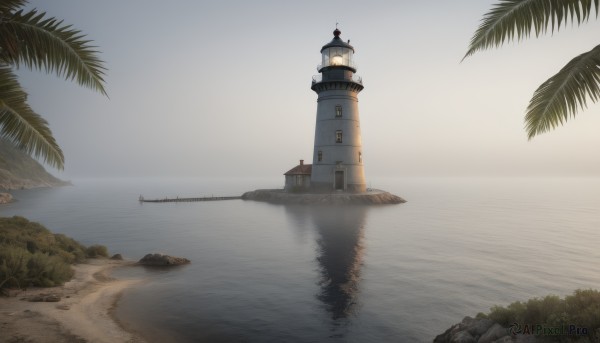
pixel 337 53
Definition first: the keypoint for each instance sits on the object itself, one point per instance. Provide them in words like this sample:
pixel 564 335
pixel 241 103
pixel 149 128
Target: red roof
pixel 301 169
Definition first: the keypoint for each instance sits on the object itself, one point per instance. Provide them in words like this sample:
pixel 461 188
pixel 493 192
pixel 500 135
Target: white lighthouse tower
pixel 337 157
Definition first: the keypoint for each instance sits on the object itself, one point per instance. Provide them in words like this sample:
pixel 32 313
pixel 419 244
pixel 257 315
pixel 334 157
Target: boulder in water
pixel 162 260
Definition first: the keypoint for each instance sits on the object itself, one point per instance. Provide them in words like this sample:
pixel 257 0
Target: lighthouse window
pixel 338 136
pixel 320 156
pixel 338 111
pixel 359 157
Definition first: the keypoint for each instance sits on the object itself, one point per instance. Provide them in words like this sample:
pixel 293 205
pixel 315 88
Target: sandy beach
pixel 83 313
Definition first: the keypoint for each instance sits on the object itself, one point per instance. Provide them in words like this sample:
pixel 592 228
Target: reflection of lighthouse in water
pixel 340 257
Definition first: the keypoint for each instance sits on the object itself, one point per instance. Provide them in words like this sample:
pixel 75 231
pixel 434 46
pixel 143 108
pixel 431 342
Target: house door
pixel 339 180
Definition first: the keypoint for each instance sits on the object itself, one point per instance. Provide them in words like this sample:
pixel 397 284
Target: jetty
pixel 178 199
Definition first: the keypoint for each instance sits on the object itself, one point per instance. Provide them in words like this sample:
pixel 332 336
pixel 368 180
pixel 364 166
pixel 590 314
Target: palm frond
pixel 517 19
pixel 46 44
pixel 22 126
pixel 560 97
pixel 7 6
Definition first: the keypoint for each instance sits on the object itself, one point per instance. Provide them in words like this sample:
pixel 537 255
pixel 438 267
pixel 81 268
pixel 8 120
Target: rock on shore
pixel 471 330
pixel 278 196
pixel 162 260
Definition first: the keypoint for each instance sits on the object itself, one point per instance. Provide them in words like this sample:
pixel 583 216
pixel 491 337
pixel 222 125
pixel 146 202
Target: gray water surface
pixel 273 273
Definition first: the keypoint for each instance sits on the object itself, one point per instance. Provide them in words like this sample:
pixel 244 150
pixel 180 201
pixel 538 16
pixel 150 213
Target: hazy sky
pixel 222 88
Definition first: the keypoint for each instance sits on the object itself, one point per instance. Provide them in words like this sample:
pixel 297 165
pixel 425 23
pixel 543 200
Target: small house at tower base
pixel 297 179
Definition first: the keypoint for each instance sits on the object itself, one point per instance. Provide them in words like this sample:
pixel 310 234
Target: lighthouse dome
pixel 337 53
pixel 337 42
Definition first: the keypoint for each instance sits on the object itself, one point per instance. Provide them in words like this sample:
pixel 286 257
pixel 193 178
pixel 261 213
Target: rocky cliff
pixel 19 171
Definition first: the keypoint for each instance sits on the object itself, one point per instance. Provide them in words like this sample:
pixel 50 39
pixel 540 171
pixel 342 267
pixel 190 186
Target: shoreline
pixel 85 312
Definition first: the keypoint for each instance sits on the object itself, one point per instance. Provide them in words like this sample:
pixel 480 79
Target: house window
pixel 338 111
pixel 320 156
pixel 359 157
pixel 299 180
pixel 338 136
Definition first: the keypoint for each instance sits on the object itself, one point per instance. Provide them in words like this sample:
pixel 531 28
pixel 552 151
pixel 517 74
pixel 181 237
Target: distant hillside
pixel 19 171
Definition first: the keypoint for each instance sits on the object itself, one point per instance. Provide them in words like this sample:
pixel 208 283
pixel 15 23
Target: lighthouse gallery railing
pixel 319 78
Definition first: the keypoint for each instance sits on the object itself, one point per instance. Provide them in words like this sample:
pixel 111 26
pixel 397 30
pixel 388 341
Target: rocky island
pixel 279 196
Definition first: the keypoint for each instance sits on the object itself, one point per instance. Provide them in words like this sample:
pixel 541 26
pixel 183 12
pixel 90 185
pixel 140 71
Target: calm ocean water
pixel 274 273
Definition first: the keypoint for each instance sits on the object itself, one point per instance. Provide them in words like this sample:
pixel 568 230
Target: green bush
pixel 581 309
pixel 31 255
pixel 73 249
pixel 96 250
pixel 584 307
pixel 20 232
pixel 13 266
pixel 47 271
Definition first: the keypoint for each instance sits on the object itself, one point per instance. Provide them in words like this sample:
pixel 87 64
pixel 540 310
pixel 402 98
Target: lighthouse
pixel 337 156
pixel 337 174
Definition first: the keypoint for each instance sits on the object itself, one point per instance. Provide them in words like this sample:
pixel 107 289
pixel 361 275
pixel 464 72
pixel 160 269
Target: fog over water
pixel 202 88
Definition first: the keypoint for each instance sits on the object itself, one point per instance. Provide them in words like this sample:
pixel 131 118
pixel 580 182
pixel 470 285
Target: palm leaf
pixel 519 18
pixel 46 44
pixel 7 6
pixel 563 94
pixel 21 125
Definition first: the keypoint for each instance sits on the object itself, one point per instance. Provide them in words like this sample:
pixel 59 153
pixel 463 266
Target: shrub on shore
pixel 582 309
pixel 31 255
pixel 96 250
